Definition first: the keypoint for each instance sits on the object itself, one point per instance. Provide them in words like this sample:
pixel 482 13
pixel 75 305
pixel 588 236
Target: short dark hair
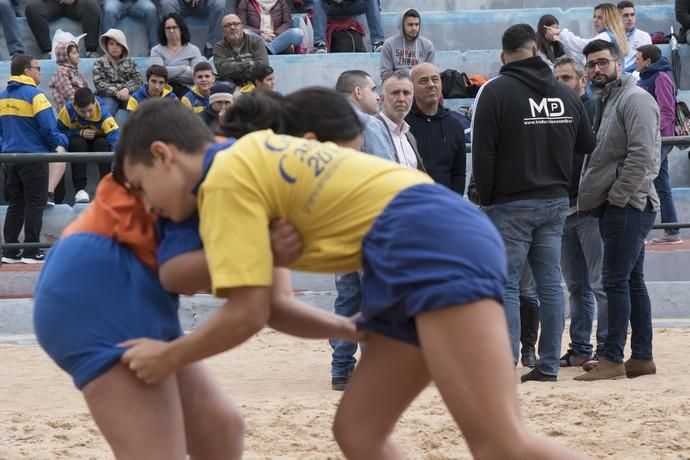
pixel 20 62
pixel 295 114
pixel 158 70
pixel 201 66
pixel 517 36
pixel 83 97
pixel 159 119
pixel 260 72
pixel 179 20
pixel 411 13
pixel 601 45
pixel 304 113
pixel 351 79
pixel 625 4
pixel 651 52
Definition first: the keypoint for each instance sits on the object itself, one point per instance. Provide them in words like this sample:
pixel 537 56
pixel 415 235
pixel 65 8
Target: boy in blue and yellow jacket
pixel 27 125
pixel 197 98
pixel 90 127
pixel 156 86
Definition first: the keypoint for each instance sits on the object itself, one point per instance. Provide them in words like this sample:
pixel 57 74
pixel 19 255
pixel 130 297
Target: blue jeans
pixel 114 10
pixel 582 255
pixel 322 10
pixel 662 183
pixel 293 36
pixel 348 303
pixel 532 232
pixel 624 231
pixel 117 108
pixel 11 27
pixel 214 9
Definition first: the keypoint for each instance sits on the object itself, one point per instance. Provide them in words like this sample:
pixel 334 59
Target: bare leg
pixel 214 427
pixel 468 353
pixel 389 377
pixel 138 420
pixel 55 173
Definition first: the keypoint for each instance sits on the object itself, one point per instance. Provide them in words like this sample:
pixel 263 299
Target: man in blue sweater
pixel 27 125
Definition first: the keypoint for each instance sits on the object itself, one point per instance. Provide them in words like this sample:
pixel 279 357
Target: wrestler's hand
pixel 349 330
pixel 285 243
pixel 148 359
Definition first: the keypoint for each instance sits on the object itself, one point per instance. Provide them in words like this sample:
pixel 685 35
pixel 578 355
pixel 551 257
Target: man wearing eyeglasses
pixel 27 125
pixel 617 185
pixel 236 55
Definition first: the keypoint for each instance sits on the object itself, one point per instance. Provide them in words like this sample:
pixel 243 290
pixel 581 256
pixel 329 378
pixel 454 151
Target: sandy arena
pixel 283 387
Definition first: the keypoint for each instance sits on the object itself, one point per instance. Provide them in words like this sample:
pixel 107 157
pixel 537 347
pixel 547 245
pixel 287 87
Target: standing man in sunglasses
pixel 617 185
pixel 27 125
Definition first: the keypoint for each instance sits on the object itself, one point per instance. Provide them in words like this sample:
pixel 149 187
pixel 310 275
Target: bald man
pixel 236 55
pixel 439 132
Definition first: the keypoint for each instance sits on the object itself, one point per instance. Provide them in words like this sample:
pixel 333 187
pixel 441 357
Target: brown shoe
pixel 604 370
pixel 637 367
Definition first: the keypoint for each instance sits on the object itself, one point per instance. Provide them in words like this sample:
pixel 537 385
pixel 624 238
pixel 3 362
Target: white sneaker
pixel 81 197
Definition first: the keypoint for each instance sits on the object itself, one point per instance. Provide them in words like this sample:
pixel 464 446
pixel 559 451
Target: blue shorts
pixel 92 294
pixel 429 249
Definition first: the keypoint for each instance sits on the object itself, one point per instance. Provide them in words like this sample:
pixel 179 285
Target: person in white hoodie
pixel 408 48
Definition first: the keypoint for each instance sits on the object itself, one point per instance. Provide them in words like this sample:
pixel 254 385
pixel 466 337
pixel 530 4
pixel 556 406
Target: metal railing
pixel 108 156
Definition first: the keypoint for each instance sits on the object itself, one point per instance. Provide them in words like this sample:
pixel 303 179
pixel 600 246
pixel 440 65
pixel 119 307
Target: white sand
pixel 283 386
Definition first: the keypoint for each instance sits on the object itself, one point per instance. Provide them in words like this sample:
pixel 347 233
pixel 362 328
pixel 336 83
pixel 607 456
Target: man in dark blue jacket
pixel 439 132
pixel 27 124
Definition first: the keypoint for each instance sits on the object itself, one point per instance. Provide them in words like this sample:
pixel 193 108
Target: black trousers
pixel 40 12
pixel 79 169
pixel 26 185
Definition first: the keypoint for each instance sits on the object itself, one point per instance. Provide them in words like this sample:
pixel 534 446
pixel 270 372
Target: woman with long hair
pixel 608 26
pixel 549 50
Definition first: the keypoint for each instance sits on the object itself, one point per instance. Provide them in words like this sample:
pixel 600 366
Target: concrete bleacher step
pixel 449 29
pixel 460 5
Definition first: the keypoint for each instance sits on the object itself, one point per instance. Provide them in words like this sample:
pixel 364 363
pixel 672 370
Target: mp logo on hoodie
pixel 547 111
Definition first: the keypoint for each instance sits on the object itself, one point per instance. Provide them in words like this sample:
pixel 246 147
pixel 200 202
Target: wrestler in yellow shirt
pixel 264 176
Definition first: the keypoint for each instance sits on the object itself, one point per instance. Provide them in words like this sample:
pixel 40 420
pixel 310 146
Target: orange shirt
pixel 115 213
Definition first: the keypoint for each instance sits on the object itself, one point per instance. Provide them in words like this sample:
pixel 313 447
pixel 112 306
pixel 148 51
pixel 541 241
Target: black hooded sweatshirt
pixel 441 142
pixel 525 129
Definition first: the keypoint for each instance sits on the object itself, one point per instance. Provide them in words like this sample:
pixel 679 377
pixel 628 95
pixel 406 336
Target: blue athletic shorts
pixel 429 249
pixel 92 294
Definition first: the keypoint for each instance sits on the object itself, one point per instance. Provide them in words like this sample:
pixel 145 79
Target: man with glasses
pixel 236 55
pixel 27 125
pixel 617 185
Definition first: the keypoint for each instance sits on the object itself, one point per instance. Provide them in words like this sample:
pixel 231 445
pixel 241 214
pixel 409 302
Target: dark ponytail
pixel 253 112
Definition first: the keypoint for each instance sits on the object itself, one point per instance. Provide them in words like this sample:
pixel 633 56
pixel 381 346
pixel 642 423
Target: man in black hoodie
pixel 439 132
pixel 525 129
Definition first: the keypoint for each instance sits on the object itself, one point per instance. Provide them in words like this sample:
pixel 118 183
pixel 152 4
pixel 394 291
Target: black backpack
pixel 347 41
pixel 457 85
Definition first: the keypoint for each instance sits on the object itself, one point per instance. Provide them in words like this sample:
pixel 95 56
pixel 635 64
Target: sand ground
pixel 283 387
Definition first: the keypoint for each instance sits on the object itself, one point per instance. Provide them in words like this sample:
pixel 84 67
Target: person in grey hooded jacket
pixel 408 48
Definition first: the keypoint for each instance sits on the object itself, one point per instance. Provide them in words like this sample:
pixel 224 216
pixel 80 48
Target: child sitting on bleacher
pixel 67 78
pixel 116 75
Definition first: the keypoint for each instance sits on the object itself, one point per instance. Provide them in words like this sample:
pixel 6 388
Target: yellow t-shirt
pixel 332 196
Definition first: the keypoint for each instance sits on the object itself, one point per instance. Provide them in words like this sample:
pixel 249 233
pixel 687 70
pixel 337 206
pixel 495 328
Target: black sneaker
pixel 529 357
pixel 11 260
pixel 376 47
pixel 320 48
pixel 573 359
pixel 536 375
pixel 339 383
pixel 38 258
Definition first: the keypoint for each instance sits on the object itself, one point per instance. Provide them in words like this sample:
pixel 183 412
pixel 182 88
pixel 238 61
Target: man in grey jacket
pixel 359 88
pixel 408 48
pixel 617 185
pixel 236 55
